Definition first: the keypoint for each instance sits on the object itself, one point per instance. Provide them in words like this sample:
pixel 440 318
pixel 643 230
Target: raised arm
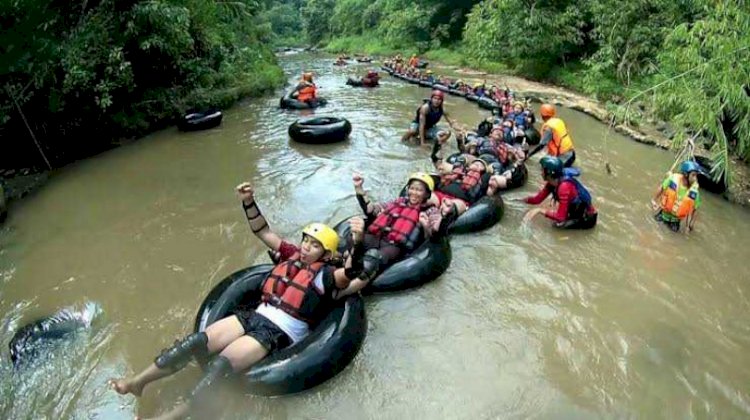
pixel 364 203
pixel 257 221
pixel 354 264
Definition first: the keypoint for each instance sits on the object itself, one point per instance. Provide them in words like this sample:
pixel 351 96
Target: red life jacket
pixel 467 180
pixel 399 220
pixel 290 287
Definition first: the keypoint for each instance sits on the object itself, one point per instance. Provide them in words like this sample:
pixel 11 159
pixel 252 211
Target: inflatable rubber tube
pixel 425 83
pixel 364 60
pixel 423 265
pixel 533 137
pixel 320 130
pixel 355 83
pixel 457 92
pixel 705 180
pixel 195 121
pixel 487 103
pixel 387 69
pixel 27 341
pixel 413 80
pixel 483 214
pixel 472 97
pixel 423 64
pixel 287 102
pixel 441 88
pixel 360 83
pixel 325 352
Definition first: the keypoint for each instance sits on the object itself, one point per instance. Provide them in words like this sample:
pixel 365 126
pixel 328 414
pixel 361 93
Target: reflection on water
pixel 627 320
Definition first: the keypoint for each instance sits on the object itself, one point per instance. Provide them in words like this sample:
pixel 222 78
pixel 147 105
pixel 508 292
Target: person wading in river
pixel 425 122
pixel 574 204
pixel 678 198
pixel 556 137
pixel 284 316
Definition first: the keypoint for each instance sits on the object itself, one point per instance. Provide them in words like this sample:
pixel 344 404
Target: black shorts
pixel 270 336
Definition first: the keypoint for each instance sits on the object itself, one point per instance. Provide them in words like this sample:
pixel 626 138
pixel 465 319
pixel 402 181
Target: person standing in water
pixel 678 198
pixel 425 122
pixel 556 137
pixel 575 209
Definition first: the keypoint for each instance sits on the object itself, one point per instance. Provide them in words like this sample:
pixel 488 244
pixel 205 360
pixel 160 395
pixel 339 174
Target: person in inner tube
pixel 371 79
pixel 504 160
pixel 306 91
pixel 575 209
pixel 283 317
pixel 425 125
pixel 397 227
pixel 463 181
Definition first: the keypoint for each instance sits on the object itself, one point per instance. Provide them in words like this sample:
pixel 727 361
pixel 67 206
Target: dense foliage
pixel 692 52
pixel 119 68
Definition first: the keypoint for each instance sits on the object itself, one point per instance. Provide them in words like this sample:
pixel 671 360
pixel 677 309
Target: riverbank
pixel 649 129
pixel 17 183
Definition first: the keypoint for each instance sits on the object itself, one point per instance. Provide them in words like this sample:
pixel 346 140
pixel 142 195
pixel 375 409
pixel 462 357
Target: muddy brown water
pixel 627 320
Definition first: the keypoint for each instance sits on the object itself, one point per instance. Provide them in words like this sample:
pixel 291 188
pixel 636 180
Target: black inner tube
pixel 331 345
pixel 426 263
pixel 319 130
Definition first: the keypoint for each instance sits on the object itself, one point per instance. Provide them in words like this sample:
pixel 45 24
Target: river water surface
pixel 626 320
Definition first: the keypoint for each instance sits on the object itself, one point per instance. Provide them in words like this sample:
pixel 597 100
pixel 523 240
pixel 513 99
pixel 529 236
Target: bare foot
pixel 124 386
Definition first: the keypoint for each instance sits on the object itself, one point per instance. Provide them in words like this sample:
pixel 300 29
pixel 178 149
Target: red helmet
pixel 438 93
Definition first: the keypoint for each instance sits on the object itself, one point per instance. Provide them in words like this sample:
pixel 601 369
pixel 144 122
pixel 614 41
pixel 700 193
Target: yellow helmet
pixel 429 71
pixel 477 85
pixel 323 234
pixel 425 178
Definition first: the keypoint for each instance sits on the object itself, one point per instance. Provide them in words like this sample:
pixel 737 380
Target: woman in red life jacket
pixel 462 183
pixel 574 204
pixel 297 292
pixel 395 228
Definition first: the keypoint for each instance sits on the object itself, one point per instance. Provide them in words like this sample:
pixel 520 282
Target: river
pixel 626 320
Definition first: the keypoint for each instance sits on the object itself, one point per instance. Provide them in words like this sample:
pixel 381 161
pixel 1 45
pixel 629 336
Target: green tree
pixel 706 69
pixel 532 36
pixel 316 15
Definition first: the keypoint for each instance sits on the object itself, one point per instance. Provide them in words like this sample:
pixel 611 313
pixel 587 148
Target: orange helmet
pixel 547 111
pixel 307 76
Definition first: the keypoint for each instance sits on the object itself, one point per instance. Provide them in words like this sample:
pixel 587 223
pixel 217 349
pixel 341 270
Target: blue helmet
pixel 689 166
pixel 552 166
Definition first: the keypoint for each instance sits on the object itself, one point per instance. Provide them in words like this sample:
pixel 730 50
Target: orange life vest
pixel 307 93
pixel 671 203
pixel 561 142
pixel 399 220
pixel 290 287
